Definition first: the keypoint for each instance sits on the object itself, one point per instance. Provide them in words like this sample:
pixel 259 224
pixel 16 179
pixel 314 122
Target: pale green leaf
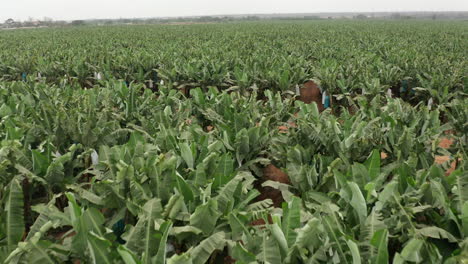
pixel 14 224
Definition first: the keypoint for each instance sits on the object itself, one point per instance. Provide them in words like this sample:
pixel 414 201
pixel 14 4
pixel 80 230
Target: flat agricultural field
pixel 336 141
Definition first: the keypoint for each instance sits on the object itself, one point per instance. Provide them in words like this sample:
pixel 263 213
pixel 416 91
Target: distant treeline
pixel 220 19
pixel 47 22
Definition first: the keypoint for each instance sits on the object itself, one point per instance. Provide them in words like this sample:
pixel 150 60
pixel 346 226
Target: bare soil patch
pixel 272 173
pixel 310 92
pixel 446 143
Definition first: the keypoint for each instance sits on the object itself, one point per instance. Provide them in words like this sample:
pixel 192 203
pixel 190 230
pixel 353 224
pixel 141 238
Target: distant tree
pixel 396 16
pixel 360 16
pixel 312 17
pixel 47 21
pixel 60 23
pixel 252 18
pixel 28 22
pixel 78 22
pixel 9 23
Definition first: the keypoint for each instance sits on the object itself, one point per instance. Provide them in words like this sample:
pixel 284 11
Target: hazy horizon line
pixel 249 14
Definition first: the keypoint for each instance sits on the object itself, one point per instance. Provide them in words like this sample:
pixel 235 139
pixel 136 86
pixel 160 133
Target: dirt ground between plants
pixel 444 143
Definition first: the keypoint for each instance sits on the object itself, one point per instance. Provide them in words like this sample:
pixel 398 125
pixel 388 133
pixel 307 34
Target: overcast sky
pixel 84 9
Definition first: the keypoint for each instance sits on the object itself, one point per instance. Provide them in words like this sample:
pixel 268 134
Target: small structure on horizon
pixel 10 22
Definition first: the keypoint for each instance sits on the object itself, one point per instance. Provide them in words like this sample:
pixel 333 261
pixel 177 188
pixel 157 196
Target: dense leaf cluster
pixel 360 57
pixel 120 173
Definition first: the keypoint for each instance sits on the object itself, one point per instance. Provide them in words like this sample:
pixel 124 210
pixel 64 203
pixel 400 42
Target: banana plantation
pixel 192 144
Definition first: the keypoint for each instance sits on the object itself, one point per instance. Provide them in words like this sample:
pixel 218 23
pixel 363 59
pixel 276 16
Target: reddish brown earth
pixel 383 155
pixel 63 235
pixel 283 129
pixel 261 221
pixel 185 91
pixel 443 159
pixel 446 143
pixel 292 124
pixel 229 260
pixel 310 92
pixel 272 173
